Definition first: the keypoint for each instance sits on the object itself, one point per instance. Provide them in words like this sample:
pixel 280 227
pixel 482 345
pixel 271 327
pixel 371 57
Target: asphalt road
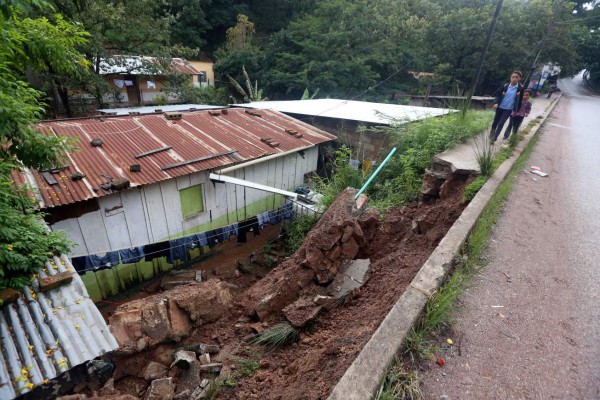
pixel 529 327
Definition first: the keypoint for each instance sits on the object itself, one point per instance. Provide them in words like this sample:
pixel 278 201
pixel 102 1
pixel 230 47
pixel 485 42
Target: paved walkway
pixel 463 155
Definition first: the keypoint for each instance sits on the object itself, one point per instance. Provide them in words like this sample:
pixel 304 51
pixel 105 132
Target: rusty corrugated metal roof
pixel 46 334
pixel 200 134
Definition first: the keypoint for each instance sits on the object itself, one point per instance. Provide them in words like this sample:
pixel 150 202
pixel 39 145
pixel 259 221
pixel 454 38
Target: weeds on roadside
pixel 484 154
pixel 278 336
pixel 401 382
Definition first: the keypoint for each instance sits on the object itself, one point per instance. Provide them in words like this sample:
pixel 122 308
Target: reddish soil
pixel 310 368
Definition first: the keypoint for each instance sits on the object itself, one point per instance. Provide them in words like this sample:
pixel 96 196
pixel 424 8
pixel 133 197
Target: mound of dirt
pixel 397 245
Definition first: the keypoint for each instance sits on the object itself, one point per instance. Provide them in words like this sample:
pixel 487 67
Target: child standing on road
pixel 516 118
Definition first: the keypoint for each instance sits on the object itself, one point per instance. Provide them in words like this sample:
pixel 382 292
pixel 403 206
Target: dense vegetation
pixel 399 182
pixel 364 49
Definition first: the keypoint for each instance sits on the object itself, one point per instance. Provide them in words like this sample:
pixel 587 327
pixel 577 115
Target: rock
pixel 334 254
pixel 348 232
pixel 190 379
pixel 168 316
pixel 184 359
pixel 212 368
pixel 313 259
pixel 155 321
pixel 423 225
pixel 180 277
pixel 54 281
pixel 201 348
pixel 432 181
pixel 8 296
pixel 160 389
pixel 204 359
pixel 154 371
pixel 204 301
pixel 350 249
pixel 415 227
pixel 264 364
pixel 205 382
pixel 185 395
pixel 301 312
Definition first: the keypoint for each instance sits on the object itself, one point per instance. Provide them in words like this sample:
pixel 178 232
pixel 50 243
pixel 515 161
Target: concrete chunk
pixel 352 275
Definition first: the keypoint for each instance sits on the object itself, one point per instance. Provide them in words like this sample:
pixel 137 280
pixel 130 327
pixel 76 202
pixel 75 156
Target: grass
pixel 278 336
pixel 403 379
pixel 246 367
pixel 297 231
pixel 409 389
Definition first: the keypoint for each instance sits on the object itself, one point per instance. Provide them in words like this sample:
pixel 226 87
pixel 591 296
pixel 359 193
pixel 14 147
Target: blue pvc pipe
pixel 362 189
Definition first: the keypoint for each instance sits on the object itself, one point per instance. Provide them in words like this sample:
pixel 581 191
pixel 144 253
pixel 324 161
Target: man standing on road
pixel 508 101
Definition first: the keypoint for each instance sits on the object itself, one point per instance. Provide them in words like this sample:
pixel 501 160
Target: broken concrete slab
pixel 301 312
pixel 459 159
pixel 184 359
pixel 189 379
pixel 352 275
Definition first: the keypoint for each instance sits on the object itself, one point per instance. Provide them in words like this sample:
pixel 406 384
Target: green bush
pixel 26 243
pixel 473 187
pixel 297 232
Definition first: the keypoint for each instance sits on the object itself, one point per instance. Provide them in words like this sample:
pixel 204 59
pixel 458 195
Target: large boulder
pixel 169 316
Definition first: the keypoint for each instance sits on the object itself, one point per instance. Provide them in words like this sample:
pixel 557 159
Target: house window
pixel 191 201
pixel 202 76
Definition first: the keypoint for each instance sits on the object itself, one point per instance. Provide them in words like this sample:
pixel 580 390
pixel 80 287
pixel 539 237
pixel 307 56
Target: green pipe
pixel 362 189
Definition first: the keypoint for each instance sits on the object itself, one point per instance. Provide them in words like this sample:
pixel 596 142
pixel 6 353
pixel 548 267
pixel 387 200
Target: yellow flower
pixel 24 372
pixel 31 347
pixel 46 381
pixel 9 247
pixel 76 326
pixel 62 361
pixel 29 385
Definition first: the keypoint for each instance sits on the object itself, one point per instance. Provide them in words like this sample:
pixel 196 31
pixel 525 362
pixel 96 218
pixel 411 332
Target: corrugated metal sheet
pixel 45 334
pixel 362 111
pixel 138 65
pixel 198 134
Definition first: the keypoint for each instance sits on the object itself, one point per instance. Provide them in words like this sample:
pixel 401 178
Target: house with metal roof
pixel 345 117
pixel 142 190
pixel 141 80
pixel 45 333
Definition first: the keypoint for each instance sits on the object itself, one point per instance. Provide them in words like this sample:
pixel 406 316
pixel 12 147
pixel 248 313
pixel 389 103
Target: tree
pixel 25 241
pixel 132 27
pixel 346 48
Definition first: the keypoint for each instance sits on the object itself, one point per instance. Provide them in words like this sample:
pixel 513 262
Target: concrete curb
pixel 363 379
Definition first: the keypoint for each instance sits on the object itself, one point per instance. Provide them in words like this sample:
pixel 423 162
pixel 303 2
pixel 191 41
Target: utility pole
pixel 486 45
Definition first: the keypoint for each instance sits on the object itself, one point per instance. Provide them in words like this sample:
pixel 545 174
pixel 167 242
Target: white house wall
pixel 149 214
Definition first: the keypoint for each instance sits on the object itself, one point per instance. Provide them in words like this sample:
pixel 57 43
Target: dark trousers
pixel 499 121
pixel 514 124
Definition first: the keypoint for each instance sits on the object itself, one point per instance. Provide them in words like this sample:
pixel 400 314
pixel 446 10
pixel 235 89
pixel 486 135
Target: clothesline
pixel 110 258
